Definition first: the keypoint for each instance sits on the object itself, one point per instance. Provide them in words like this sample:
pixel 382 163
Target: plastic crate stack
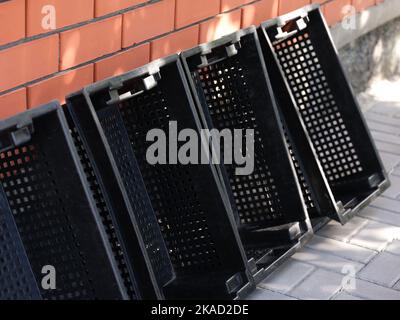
pixel 79 195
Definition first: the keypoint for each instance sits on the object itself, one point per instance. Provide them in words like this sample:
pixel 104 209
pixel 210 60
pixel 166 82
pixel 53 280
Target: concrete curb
pixel 366 21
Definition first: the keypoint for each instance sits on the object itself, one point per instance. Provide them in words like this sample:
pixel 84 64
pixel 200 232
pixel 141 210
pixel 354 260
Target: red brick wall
pixel 95 39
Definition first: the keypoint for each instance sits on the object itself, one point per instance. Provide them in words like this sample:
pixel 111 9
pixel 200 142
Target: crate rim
pixel 282 19
pixel 145 69
pixel 29 114
pixel 232 37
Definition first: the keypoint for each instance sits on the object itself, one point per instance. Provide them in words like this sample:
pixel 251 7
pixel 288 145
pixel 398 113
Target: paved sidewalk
pixel 368 247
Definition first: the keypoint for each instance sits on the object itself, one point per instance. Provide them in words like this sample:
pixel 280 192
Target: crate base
pixel 210 286
pixel 273 259
pixel 363 200
pixel 272 237
pixel 319 223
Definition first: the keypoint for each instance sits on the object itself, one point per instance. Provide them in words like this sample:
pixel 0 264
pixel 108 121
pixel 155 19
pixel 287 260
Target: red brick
pixel 361 5
pixel 175 42
pixel 58 87
pixel 189 11
pixel 12 21
pixel 28 61
pixel 259 12
pixel 103 7
pixel 232 4
pixel 148 22
pixel 90 42
pixel 122 62
pixel 12 103
pixel 334 11
pixel 286 6
pixel 66 13
pixel 320 1
pixel 219 26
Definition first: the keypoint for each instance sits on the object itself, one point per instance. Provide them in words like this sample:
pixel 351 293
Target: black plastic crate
pixel 128 216
pixel 17 281
pixel 62 218
pixel 337 159
pixel 197 225
pixel 231 90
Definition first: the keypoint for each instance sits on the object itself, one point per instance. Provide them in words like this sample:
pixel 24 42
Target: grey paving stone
pixel 381 215
pixel 384 269
pixel 335 230
pixel 387 204
pixel 386 128
pixel 380 136
pixel 326 261
pixel 368 290
pixel 341 249
pixel 393 247
pixel 320 285
pixel 390 161
pixel 287 276
pixel 396 171
pixel 345 296
pixel 394 190
pixel 388 147
pixel 397 115
pixel 389 109
pixel 263 294
pixel 372 116
pixel 375 235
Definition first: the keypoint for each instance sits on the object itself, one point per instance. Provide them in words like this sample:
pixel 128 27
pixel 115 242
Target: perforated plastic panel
pixel 233 93
pixel 197 227
pixel 225 86
pixel 305 187
pixel 52 209
pixel 318 107
pixel 17 281
pixel 228 81
pixel 188 240
pixel 330 141
pixel 103 211
pixel 41 216
pixel 120 146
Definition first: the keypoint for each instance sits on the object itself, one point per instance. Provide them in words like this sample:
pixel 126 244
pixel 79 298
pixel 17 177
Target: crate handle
pixel 149 82
pixel 288 28
pixel 234 283
pixel 230 50
pixel 17 136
